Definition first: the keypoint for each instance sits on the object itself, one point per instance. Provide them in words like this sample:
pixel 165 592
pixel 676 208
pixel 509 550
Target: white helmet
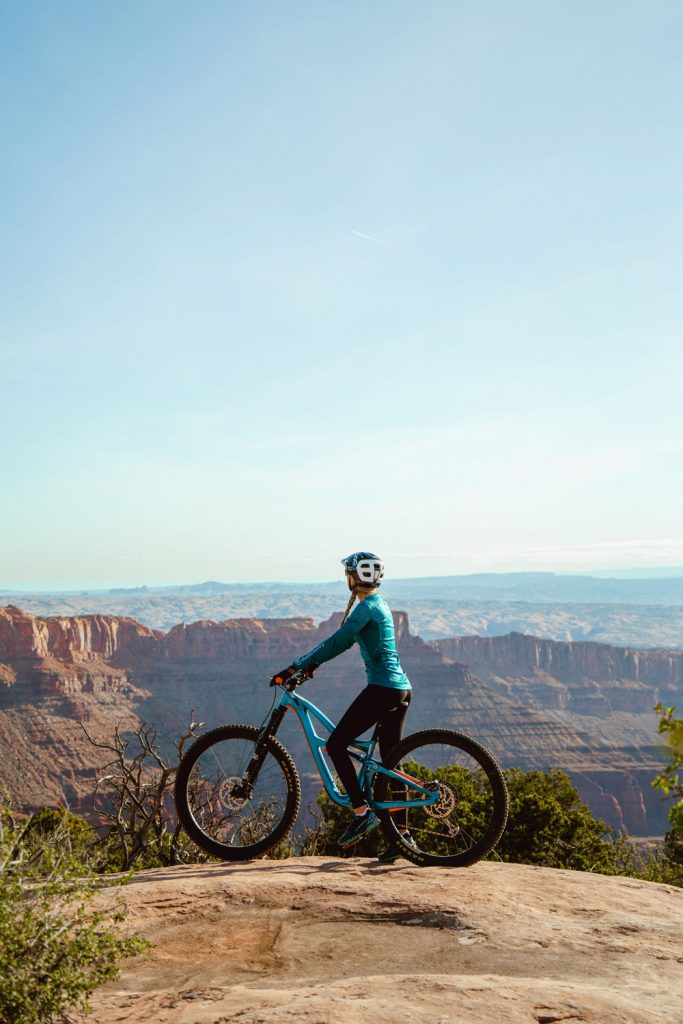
pixel 366 568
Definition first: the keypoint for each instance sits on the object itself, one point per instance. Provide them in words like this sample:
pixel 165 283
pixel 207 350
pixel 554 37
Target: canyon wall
pixel 586 708
pixel 518 655
pixel 605 694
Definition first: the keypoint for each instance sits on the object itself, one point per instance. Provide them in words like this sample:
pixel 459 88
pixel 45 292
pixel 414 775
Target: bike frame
pixel 364 751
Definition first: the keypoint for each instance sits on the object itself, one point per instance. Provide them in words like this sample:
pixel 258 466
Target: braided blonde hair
pixel 349 606
pixel 354 592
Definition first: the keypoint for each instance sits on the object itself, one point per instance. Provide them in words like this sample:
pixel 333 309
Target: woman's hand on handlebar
pixel 288 673
pixel 284 675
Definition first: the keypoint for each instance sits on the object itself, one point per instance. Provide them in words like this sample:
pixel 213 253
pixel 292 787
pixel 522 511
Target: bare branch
pixel 132 795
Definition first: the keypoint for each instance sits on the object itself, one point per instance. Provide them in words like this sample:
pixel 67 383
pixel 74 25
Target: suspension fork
pixel 255 761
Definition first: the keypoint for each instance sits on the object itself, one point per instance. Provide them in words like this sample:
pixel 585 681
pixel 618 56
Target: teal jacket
pixel 371 626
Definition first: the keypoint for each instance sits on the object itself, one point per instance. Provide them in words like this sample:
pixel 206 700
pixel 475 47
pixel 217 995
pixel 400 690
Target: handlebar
pixel 296 679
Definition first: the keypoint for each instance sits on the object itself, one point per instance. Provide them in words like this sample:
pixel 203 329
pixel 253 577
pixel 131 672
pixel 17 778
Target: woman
pixel 385 699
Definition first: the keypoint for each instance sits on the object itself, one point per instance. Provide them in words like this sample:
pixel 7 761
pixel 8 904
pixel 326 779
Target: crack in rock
pixel 548 1015
pixel 445 919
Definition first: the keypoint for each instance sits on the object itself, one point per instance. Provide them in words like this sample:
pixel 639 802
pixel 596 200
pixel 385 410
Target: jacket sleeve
pixel 339 642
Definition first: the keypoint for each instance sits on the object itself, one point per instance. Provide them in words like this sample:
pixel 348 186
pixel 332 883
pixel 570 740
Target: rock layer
pixel 599 692
pixel 586 708
pixel 561 665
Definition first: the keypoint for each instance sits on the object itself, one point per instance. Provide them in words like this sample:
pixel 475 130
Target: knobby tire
pixel 208 813
pixel 475 790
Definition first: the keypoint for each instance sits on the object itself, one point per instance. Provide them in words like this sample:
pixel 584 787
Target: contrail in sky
pixel 370 238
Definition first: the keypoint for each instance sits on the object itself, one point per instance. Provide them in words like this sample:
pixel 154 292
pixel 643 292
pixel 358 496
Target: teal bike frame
pixel 361 751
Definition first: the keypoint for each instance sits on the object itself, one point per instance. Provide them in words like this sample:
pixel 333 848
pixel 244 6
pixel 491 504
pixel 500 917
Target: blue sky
pixel 283 280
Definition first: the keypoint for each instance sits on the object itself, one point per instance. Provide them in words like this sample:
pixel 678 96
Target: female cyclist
pixel 385 699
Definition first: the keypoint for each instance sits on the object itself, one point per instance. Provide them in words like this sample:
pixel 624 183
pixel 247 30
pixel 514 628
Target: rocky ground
pixel 316 941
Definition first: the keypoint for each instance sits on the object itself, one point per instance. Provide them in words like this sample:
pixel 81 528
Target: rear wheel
pixel 470 814
pixel 218 811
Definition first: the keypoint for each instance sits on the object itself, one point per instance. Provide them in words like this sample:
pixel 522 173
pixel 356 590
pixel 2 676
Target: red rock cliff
pixel 518 654
pixel 87 637
pixel 535 703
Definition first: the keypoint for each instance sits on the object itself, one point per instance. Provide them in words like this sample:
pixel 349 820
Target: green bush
pixel 548 823
pixel 56 947
pixel 53 829
pixel 669 866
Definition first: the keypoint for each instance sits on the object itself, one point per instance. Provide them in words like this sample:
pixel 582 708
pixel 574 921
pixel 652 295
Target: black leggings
pixel 384 705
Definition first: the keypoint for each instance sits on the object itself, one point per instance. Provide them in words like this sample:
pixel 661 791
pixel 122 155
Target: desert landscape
pixel 344 334
pixel 633 612
pixel 587 708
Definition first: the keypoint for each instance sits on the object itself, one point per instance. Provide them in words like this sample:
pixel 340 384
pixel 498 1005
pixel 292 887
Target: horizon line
pixel 640 573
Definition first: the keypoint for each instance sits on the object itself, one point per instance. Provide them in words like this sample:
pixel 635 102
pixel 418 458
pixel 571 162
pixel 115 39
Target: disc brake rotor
pixel 445 805
pixel 227 795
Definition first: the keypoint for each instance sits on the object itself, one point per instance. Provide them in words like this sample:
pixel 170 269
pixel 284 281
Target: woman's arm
pixel 339 642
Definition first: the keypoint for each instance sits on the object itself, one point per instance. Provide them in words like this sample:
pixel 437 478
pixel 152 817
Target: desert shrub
pixel 282 850
pixel 56 947
pixel 657 866
pixel 669 779
pixel 53 830
pixel 134 805
pixel 548 825
pixel 668 867
pixel 318 835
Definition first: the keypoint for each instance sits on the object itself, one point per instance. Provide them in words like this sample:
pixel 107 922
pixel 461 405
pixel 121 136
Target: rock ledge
pixel 317 940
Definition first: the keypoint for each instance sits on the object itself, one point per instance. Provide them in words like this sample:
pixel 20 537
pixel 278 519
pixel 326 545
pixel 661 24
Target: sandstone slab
pixel 318 940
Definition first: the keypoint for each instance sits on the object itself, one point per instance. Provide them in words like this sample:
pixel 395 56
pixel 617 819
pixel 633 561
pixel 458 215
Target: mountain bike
pixel 237 789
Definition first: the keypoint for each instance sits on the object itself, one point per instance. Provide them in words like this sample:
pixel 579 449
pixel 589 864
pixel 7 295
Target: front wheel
pixel 470 814
pixel 223 814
